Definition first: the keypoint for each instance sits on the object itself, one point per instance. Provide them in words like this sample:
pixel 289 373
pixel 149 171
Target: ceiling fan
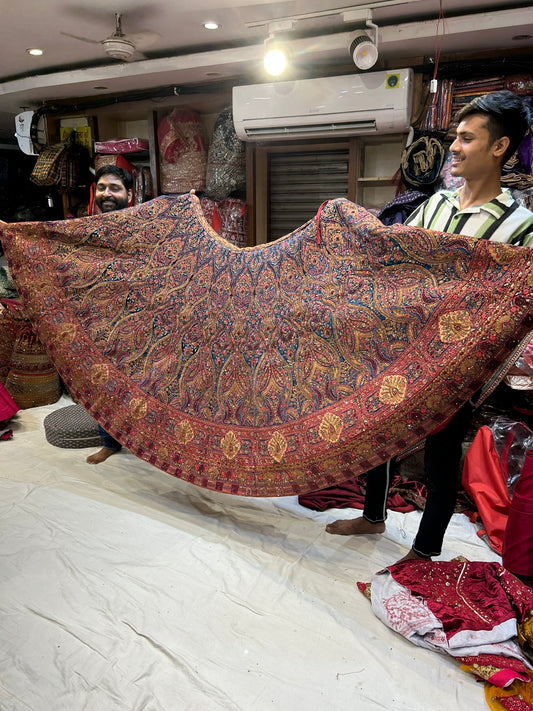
pixel 119 45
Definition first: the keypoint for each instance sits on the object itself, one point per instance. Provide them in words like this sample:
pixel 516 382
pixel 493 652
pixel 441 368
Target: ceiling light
pixel 35 52
pixel 364 47
pixel 211 25
pixel 364 52
pixel 275 62
pixel 276 56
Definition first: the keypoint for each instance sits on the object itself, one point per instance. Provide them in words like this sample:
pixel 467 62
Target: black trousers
pixel 442 458
pixel 108 441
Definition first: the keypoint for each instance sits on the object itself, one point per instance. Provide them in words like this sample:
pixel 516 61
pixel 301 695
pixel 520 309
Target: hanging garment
pixel 226 159
pixel 278 369
pixel 47 168
pixel 485 481
pixel 517 548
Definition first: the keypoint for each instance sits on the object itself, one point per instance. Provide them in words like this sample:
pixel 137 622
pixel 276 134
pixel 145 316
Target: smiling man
pixel 113 191
pixel 113 188
pixel 490 130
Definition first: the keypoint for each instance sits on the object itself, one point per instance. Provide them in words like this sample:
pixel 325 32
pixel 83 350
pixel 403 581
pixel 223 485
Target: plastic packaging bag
pixel 512 441
pixel 121 145
pixel 226 164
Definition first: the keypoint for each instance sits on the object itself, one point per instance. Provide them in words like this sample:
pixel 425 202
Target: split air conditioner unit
pixel 351 105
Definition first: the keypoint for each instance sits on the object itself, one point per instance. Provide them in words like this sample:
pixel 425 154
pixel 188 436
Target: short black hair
pixel 123 175
pixel 507 115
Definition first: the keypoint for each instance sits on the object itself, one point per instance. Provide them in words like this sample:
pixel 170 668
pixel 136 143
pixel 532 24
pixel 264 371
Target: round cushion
pixel 71 427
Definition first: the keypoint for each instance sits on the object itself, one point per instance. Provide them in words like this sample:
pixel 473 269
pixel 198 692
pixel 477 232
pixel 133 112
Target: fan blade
pixel 144 39
pixel 99 17
pixel 81 39
pixel 136 15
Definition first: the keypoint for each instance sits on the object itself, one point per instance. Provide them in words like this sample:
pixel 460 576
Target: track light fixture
pixel 364 52
pixel 276 56
pixel 363 48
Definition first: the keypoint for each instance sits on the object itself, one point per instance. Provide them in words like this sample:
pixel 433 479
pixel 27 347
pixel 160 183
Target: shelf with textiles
pixel 106 126
pixel 454 91
pixel 138 127
pixel 138 123
pixel 135 130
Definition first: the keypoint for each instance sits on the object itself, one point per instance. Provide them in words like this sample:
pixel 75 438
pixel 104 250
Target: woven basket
pixel 32 380
pixel 12 322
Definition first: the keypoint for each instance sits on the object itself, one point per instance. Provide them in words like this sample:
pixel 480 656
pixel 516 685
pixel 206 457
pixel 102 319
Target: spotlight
pixel 276 56
pixel 364 52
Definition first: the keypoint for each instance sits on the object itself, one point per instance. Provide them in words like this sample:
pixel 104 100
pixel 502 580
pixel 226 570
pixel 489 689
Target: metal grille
pixel 299 182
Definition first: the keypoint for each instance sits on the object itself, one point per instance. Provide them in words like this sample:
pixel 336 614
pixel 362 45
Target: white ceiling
pixel 177 50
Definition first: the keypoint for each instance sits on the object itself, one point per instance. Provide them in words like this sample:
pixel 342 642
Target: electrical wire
pixel 438 46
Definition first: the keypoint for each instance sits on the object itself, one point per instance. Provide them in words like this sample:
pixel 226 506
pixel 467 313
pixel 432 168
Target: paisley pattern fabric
pixel 277 369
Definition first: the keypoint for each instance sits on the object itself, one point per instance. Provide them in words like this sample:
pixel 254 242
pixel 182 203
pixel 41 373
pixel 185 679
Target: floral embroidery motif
pixel 230 445
pixel 454 326
pixel 99 373
pixel 330 428
pixel 392 390
pixel 184 432
pixel 67 333
pixel 277 446
pixel 138 408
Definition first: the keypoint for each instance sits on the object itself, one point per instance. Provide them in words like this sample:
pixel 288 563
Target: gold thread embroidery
pixel 184 432
pixel 454 326
pixel 138 408
pixel 277 446
pixel 476 610
pixel 330 428
pixel 230 445
pixel 99 373
pixel 67 333
pixel 392 390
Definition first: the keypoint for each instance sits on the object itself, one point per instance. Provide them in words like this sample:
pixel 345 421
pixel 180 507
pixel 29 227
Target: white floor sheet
pixel 125 589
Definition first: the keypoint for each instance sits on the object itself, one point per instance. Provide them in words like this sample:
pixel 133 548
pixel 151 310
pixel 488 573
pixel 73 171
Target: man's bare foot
pixel 354 527
pixel 101 456
pixel 413 556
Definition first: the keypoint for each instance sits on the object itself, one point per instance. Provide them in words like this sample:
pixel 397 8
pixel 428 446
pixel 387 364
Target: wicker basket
pixel 32 380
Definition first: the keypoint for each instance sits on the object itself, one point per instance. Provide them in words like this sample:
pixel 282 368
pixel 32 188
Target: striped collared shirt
pixel 500 220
